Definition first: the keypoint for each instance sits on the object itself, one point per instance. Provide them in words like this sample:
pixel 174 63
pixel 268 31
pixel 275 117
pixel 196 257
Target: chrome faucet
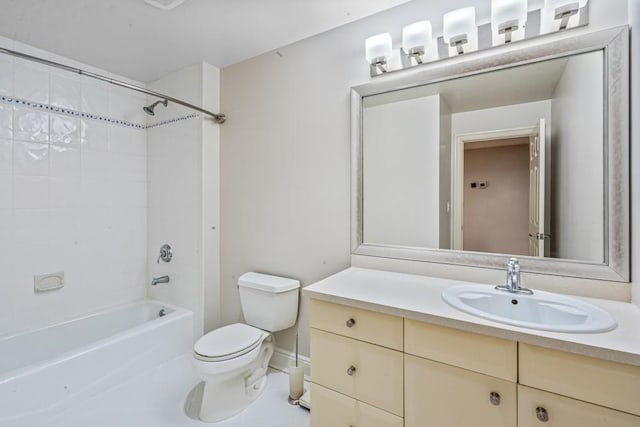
pixel 161 279
pixel 513 279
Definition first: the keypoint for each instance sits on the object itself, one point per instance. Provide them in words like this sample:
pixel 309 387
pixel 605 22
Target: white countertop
pixel 418 297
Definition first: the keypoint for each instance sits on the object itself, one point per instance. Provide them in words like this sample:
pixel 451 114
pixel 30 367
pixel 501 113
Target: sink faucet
pixel 513 279
pixel 161 279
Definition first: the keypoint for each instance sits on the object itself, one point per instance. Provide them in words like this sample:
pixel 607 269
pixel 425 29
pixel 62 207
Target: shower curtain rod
pixel 218 118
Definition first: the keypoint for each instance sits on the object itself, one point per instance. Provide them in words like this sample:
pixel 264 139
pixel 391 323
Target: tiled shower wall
pixel 73 191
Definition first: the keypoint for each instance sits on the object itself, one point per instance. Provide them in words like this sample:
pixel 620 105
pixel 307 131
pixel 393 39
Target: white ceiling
pixel 136 40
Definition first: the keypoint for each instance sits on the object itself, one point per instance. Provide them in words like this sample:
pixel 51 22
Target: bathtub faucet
pixel 161 279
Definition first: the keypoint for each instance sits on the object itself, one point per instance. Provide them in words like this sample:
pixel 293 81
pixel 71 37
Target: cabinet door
pixel 366 372
pixel 438 395
pixel 538 408
pixel 332 409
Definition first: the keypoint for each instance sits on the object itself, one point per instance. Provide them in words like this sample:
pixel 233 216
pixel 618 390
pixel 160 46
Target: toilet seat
pixel 228 342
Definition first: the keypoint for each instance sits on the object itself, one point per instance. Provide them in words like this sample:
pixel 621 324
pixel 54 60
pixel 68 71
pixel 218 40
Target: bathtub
pixel 49 369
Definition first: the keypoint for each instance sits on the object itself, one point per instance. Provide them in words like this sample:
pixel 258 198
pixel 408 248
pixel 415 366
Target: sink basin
pixel 542 310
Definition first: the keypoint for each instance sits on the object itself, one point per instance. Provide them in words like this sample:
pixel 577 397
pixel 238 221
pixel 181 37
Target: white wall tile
pixel 6 191
pixel 65 130
pixel 29 259
pixel 30 125
pixel 65 91
pixel 69 200
pixel 6 75
pixel 32 225
pixel 127 141
pixel 30 158
pixel 129 168
pixel 64 224
pixel 94 135
pixel 30 81
pixel 6 156
pixel 95 96
pixel 6 121
pixel 130 194
pixel 30 192
pixel 96 165
pixel 95 224
pixel 64 161
pixel 64 192
pixel 96 193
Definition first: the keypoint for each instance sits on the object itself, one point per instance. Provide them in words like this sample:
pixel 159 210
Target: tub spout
pixel 161 279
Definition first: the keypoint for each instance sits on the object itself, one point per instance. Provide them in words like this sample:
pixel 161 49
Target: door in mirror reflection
pixel 509 162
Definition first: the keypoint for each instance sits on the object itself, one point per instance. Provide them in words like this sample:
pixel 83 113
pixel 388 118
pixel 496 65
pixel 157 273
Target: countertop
pixel 418 297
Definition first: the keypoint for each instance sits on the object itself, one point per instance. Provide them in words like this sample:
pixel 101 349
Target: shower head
pixel 149 108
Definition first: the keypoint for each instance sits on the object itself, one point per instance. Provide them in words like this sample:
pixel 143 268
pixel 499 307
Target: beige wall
pixel 285 157
pixel 496 219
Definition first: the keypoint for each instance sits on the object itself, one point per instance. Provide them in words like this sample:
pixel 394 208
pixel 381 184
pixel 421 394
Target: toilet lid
pixel 228 340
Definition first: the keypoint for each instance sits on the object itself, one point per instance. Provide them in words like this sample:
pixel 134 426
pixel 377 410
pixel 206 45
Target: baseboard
pixel 281 359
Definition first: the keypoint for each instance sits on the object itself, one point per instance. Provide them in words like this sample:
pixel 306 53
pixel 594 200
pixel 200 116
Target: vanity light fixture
pixel 508 19
pixel 460 31
pixel 563 11
pixel 378 51
pixel 416 40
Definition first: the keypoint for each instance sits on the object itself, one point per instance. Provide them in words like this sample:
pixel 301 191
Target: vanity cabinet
pixel 376 370
pixel 441 395
pixel 358 367
pixel 537 408
pixel 336 409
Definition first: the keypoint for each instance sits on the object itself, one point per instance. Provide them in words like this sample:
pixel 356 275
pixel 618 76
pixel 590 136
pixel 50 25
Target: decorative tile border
pixel 82 115
pixel 171 121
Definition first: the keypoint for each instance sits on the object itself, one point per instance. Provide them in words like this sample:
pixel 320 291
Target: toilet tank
pixel 269 302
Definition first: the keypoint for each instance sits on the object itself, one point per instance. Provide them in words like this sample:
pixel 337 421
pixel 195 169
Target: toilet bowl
pixel 233 360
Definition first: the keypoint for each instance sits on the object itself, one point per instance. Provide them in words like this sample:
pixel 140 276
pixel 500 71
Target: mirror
pixel 515 160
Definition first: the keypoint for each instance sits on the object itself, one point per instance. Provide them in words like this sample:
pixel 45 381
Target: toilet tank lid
pixel 267 283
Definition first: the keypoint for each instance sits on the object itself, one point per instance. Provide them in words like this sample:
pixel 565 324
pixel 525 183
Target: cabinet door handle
pixel 351 370
pixel 351 322
pixel 542 414
pixel 494 398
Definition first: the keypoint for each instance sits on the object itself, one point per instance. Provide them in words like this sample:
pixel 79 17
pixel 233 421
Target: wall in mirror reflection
pixel 508 162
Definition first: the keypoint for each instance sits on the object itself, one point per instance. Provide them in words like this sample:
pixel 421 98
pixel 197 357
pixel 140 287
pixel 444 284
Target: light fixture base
pixel 458 42
pixel 378 66
pixel 507 28
pixel 565 13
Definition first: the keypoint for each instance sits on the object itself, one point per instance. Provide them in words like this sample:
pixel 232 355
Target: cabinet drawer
pixel 602 382
pixel 366 372
pixel 565 412
pixel 478 353
pixel 334 409
pixel 376 328
pixel 440 395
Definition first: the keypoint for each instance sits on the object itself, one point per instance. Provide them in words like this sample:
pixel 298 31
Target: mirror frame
pixel 614 43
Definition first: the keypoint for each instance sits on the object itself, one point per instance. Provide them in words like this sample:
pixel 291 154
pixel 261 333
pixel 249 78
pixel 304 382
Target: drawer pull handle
pixel 542 414
pixel 351 370
pixel 351 322
pixel 494 398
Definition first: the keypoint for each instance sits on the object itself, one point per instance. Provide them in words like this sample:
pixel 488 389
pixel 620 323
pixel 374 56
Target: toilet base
pixel 230 393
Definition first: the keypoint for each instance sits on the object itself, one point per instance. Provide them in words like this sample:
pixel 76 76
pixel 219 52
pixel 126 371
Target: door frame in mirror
pixel 614 43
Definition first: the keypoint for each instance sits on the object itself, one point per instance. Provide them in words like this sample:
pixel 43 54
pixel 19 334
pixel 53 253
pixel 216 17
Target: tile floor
pixel 158 398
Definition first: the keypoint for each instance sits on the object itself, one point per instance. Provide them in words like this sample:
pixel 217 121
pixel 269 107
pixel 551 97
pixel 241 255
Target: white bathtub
pixel 51 368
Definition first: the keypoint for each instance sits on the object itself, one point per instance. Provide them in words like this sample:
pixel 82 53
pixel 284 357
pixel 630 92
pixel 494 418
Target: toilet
pixel 233 360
